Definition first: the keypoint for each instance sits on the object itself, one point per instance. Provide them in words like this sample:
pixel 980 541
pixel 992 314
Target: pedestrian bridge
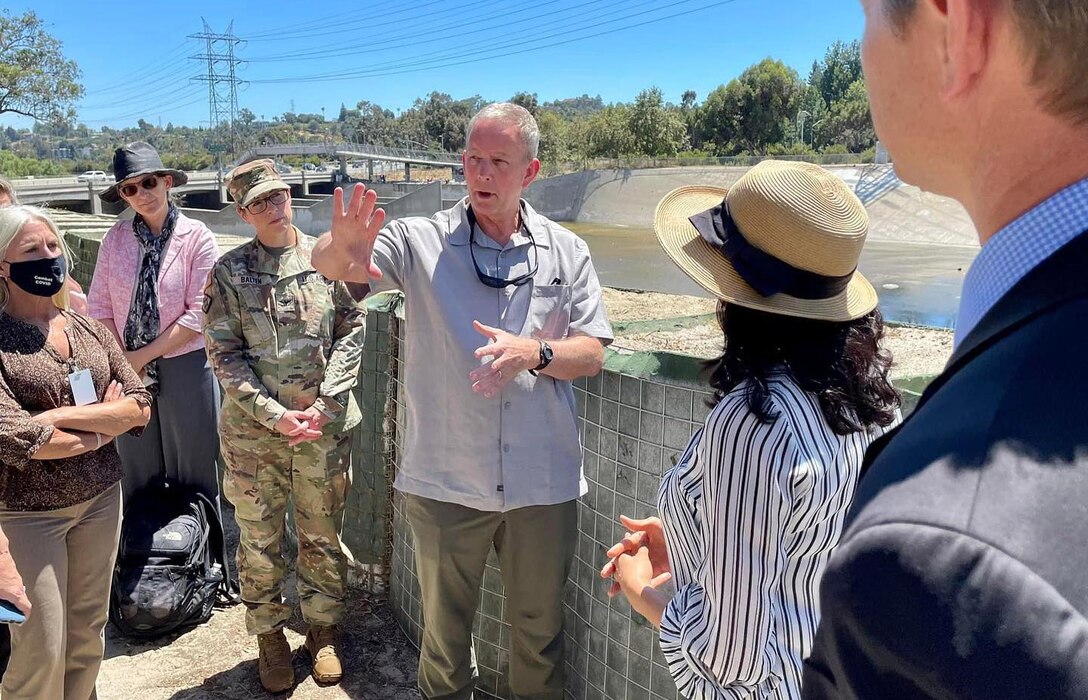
pixel 360 151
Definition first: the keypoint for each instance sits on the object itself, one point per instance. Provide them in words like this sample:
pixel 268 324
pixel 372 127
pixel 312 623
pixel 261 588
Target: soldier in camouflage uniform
pixel 286 344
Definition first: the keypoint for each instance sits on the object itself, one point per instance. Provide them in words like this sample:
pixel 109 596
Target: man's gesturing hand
pixel 509 355
pixel 346 252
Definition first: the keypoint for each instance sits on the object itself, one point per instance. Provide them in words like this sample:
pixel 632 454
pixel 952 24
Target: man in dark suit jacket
pixel 963 569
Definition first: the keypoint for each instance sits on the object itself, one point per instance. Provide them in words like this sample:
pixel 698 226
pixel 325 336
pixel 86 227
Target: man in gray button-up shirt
pixel 503 309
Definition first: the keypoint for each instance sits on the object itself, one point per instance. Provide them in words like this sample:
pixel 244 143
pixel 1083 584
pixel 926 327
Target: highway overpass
pixel 68 191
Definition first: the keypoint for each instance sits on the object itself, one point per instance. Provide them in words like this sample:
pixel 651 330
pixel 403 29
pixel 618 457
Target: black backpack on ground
pixel 171 562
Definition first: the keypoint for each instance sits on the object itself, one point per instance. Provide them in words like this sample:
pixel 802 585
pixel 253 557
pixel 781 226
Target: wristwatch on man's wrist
pixel 545 358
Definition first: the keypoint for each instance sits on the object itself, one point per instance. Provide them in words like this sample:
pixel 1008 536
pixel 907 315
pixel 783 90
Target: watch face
pixel 545 355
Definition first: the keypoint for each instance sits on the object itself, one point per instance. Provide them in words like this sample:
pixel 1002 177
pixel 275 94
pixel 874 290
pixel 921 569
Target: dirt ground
pixel 916 351
pixel 217 661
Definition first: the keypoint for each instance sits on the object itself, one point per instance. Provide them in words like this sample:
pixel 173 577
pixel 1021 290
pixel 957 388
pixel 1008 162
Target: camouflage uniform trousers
pixel 262 474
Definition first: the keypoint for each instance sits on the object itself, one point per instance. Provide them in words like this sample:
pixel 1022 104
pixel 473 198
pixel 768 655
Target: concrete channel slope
pixel 899 212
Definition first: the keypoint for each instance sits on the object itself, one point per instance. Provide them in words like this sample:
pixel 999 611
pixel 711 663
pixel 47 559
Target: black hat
pixel 135 159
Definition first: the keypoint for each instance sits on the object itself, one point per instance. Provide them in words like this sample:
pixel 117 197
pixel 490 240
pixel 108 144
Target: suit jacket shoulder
pixel 964 549
pixel 917 611
pixel 999 451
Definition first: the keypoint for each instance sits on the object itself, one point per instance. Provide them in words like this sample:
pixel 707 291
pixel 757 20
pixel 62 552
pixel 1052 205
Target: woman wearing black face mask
pixel 66 391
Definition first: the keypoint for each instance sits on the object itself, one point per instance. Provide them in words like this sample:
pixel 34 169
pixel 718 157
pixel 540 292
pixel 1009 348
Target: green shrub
pixel 14 166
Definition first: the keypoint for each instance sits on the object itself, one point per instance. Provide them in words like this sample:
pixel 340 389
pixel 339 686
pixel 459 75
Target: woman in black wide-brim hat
pixel 148 288
pixel 729 573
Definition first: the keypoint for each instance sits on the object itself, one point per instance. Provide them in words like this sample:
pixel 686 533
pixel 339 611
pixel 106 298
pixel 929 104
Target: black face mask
pixel 43 278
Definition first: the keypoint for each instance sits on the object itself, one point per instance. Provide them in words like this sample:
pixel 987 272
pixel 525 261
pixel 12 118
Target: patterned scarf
pixel 142 325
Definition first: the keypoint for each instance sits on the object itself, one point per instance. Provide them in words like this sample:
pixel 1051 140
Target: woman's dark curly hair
pixel 841 363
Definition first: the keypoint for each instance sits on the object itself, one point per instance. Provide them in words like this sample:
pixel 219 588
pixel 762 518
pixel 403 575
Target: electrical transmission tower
pixel 222 80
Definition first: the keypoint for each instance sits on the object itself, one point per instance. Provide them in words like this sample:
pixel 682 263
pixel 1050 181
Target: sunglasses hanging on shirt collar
pixel 500 282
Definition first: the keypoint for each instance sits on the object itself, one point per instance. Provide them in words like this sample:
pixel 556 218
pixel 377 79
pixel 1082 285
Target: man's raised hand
pixel 346 252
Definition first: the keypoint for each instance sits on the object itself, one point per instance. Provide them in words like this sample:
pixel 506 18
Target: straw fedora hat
pixel 784 239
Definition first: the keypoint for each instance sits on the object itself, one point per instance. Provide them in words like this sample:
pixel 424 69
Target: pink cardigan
pixel 189 256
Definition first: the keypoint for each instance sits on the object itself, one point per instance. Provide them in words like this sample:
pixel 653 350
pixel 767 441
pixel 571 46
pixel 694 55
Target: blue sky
pixel 134 56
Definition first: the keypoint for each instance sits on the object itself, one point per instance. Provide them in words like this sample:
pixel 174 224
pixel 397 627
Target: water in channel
pixel 918 284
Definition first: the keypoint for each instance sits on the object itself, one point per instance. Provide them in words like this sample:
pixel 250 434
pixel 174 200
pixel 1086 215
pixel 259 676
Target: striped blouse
pixel 751 513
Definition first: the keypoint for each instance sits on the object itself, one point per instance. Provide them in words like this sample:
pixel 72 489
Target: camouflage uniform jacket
pixel 281 336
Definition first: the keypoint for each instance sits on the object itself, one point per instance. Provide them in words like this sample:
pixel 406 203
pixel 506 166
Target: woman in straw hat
pixel 755 504
pixel 148 289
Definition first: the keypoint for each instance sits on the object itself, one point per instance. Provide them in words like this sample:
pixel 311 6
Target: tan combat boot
pixel 321 644
pixel 274 662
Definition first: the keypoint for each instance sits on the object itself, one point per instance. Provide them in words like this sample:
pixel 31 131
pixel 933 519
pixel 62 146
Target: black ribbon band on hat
pixel 763 272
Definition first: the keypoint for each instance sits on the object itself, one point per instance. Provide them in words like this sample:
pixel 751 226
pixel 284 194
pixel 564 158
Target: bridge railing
pixel 351 149
pixel 44 183
pixel 364 149
pixel 29 183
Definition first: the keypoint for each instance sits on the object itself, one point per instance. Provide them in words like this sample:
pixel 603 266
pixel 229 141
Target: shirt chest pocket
pixel 549 311
pixel 256 319
pixel 314 306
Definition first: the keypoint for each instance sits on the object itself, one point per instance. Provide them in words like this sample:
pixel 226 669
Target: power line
pixel 279 32
pixel 558 19
pixel 143 112
pixel 222 65
pixel 444 62
pixel 464 30
pixel 393 68
pixel 126 82
pixel 154 99
pixel 367 23
pixel 389 38
pixel 143 93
